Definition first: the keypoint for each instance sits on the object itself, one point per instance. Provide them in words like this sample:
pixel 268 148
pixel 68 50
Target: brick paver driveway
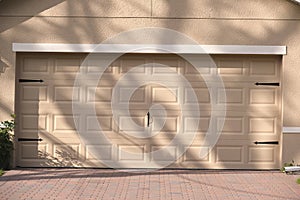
pixel 162 184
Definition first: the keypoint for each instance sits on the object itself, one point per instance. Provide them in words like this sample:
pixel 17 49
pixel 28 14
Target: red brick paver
pixel 163 184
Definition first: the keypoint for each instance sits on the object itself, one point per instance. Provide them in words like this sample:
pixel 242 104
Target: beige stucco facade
pixel 209 22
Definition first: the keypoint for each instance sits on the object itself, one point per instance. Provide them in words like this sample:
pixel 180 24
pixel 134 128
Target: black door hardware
pixel 31 81
pixel 267 142
pixel 148 119
pixel 30 139
pixel 267 84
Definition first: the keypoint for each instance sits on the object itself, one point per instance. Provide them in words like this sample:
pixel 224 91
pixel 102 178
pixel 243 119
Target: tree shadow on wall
pixel 24 9
pixel 62 158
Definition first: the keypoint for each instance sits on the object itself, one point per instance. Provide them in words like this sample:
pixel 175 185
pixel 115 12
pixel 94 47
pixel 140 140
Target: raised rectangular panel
pixel 232 125
pixel 66 93
pixel 96 65
pixel 229 154
pixel 30 122
pixel 261 154
pixel 70 65
pixel 233 96
pixel 65 152
pixel 192 124
pixel 168 95
pixel 262 96
pixel 35 65
pixel 33 151
pixel 101 94
pixel 131 153
pixel 230 67
pixel 262 125
pixel 163 153
pixel 169 62
pixel 170 66
pixel 97 123
pixel 164 70
pixel 263 68
pixel 202 94
pixel 193 153
pixel 34 122
pixel 34 93
pixel 125 123
pixel 128 64
pixel 133 95
pixel 99 152
pixel 170 125
pixel 192 70
pixel 65 122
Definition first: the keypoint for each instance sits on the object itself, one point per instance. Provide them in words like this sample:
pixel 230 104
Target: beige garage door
pixel 51 131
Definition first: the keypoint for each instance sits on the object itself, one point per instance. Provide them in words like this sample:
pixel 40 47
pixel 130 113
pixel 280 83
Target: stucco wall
pixel 291 142
pixel 252 22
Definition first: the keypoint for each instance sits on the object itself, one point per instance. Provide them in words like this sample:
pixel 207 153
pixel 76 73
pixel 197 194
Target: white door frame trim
pixel 149 48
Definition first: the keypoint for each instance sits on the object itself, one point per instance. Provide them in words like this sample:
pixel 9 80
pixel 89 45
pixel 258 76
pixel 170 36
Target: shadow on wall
pixel 63 158
pixel 25 10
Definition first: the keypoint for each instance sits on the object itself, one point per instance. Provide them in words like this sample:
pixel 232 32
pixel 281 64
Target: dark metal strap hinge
pixel 31 81
pixel 267 142
pixel 267 84
pixel 30 139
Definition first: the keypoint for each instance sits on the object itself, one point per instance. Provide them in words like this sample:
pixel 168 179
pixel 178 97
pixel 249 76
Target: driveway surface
pixel 163 184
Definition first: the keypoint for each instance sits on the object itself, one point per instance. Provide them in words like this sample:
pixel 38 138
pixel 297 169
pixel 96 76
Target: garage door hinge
pixel 267 142
pixel 267 84
pixel 31 81
pixel 30 139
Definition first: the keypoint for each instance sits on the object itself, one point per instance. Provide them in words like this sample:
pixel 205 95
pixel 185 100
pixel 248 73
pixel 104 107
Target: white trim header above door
pixel 149 48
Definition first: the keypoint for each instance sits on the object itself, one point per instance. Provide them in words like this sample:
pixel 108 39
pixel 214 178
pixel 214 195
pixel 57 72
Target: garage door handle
pixel 148 119
pixel 267 84
pixel 30 139
pixel 267 142
pixel 31 81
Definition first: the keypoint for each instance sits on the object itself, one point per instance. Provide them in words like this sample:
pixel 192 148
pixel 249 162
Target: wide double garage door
pixel 75 110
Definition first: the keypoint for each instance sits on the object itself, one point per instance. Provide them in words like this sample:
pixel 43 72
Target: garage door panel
pixel 253 113
pixel 192 154
pixel 66 65
pixel 231 125
pixel 264 154
pixel 98 123
pixel 29 151
pixel 232 67
pixel 35 65
pixel 263 96
pixel 265 68
pixel 167 154
pixel 99 152
pixel 34 93
pixel 67 151
pixel 34 122
pixel 134 95
pixel 65 122
pixel 197 125
pixel 129 153
pixel 66 94
pixel 234 96
pixel 98 95
pixel 262 126
pixel 164 95
pixel 229 154
pixel 130 62
pixel 202 94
